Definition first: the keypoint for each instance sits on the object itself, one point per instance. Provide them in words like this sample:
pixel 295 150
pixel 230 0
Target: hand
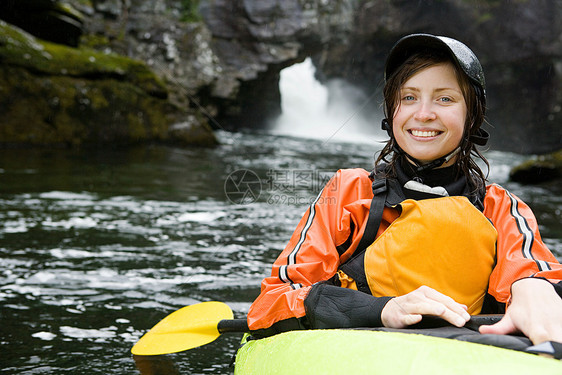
pixel 408 309
pixel 535 311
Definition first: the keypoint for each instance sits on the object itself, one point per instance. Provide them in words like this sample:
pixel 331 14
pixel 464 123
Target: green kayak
pixel 430 347
pixel 341 351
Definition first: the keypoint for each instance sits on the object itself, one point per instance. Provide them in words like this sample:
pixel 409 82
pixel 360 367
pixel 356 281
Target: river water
pixel 97 246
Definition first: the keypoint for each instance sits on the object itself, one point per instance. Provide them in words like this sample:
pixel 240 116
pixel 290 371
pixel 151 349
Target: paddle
pixel 188 328
pixel 202 323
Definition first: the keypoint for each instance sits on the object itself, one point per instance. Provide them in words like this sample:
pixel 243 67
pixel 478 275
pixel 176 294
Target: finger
pixel 503 327
pixel 540 332
pixel 447 301
pixel 538 336
pixel 435 308
pixel 445 307
pixel 408 309
pixel 420 304
pixel 410 319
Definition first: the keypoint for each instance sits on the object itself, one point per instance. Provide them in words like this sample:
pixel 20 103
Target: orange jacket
pixel 338 216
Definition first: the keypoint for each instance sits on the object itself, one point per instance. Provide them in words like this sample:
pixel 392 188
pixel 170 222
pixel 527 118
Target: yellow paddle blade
pixel 184 329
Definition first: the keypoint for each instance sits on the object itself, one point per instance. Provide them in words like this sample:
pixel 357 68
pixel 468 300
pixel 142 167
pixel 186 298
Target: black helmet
pixel 459 52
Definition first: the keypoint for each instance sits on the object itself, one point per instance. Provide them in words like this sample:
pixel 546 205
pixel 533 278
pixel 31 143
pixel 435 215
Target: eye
pixel 445 99
pixel 408 97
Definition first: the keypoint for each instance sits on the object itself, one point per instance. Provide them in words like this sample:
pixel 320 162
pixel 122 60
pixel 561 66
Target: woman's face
pixel 429 120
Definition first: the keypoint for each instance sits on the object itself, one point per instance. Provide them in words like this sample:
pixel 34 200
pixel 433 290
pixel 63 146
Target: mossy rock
pixel 62 110
pixel 56 95
pixel 18 48
pixel 539 169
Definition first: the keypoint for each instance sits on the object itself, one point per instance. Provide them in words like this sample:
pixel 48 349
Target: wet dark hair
pixel 474 119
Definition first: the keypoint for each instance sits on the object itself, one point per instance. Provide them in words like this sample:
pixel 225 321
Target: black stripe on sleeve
pixel 526 232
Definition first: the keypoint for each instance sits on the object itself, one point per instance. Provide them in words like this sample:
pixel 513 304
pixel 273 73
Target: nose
pixel 425 112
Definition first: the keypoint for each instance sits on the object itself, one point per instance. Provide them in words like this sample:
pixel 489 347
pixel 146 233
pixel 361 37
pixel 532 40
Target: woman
pixel 422 234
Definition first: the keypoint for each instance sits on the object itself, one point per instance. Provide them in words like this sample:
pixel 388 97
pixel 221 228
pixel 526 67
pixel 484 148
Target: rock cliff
pixel 220 60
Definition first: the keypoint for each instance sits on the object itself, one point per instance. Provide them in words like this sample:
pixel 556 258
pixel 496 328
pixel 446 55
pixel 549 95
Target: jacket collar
pixel 443 177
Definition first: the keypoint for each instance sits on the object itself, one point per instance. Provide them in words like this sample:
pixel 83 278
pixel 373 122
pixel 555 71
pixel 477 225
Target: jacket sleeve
pixel 313 256
pixel 521 252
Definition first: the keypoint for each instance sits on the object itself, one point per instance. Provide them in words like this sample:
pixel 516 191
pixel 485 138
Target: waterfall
pixel 336 111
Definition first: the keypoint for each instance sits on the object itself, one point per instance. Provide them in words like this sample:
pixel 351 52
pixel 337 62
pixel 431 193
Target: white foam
pixel 75 222
pixel 200 216
pixel 82 333
pixel 71 253
pixel 15 226
pixel 41 277
pixel 66 195
pixel 46 336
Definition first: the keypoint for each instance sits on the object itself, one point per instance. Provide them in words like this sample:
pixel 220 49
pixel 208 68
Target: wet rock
pixel 190 133
pixel 167 36
pixel 255 40
pixel 539 169
pixel 223 57
pixel 51 20
pixel 56 95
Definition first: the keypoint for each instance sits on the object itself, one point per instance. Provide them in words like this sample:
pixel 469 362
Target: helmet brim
pixel 458 52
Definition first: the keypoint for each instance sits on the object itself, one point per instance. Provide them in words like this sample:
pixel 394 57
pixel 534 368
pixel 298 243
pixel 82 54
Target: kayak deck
pixel 338 351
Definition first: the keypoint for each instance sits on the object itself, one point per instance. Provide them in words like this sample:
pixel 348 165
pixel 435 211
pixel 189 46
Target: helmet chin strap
pixel 420 167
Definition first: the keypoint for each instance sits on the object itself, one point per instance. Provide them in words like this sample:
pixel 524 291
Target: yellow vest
pixel 444 243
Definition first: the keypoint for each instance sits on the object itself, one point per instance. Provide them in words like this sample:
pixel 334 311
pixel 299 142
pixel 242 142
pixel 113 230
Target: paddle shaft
pixel 241 325
pixel 430 321
pixel 482 320
pixel 233 326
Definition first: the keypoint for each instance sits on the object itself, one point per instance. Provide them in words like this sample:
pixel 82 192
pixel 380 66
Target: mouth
pixel 424 133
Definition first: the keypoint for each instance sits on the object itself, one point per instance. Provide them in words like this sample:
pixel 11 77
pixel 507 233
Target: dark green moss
pixel 69 111
pixel 190 11
pixel 94 41
pixel 20 49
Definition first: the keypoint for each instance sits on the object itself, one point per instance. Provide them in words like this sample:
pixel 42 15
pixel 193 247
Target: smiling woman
pixel 397 245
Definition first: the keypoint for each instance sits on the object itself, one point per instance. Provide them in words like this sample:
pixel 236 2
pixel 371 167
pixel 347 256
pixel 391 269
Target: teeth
pixel 420 133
